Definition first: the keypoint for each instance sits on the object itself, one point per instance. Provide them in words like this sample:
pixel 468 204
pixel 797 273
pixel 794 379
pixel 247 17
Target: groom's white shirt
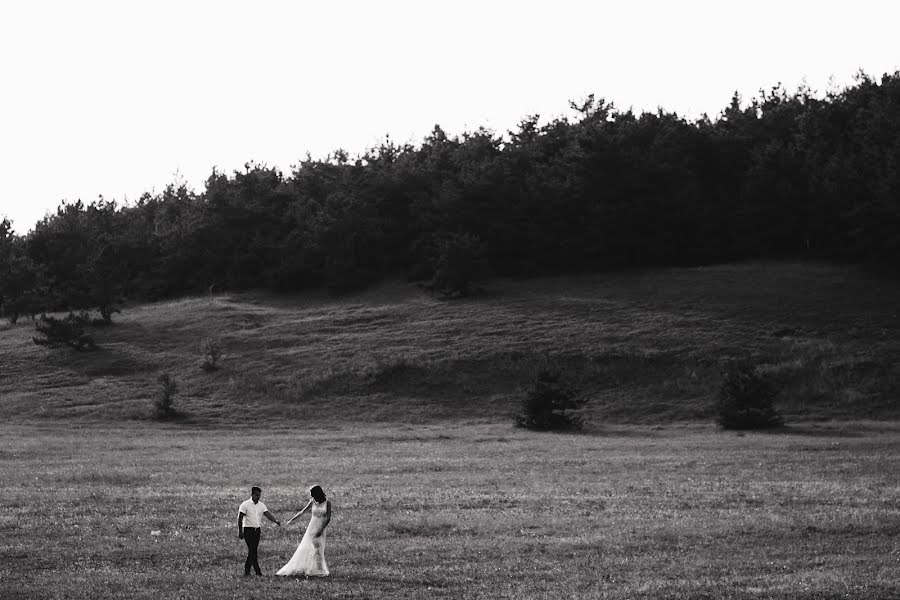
pixel 252 512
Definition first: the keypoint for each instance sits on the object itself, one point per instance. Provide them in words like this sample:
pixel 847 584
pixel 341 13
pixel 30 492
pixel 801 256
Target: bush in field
pixel 68 332
pixel 459 266
pixel 746 400
pixel 550 403
pixel 211 350
pixel 164 403
pixel 106 313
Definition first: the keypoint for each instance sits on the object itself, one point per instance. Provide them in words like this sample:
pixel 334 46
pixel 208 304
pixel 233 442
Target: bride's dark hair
pixel 317 493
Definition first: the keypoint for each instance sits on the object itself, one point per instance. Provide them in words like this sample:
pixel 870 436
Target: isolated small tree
pixel 164 403
pixel 68 332
pixel 550 403
pixel 459 266
pixel 746 400
pixel 106 313
pixel 211 350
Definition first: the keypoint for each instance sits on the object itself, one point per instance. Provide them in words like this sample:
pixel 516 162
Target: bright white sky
pixel 122 97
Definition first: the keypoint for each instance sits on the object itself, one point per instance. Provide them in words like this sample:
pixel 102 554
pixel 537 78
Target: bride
pixel 309 558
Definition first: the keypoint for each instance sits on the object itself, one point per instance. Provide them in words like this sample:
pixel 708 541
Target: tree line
pixel 787 174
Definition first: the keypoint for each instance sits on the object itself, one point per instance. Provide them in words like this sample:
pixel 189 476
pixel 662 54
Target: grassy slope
pixel 645 347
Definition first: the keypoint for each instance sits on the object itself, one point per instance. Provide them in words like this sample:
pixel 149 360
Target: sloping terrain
pixel 645 347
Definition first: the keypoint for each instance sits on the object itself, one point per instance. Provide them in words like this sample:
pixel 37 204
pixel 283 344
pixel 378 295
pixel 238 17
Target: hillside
pixel 645 346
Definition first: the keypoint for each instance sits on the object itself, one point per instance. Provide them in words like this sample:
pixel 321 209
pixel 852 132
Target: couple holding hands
pixel 309 558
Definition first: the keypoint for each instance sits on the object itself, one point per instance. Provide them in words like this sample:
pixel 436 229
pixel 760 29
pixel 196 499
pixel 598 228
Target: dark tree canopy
pixel 785 175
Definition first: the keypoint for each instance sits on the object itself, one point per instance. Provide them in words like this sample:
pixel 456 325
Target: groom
pixel 249 524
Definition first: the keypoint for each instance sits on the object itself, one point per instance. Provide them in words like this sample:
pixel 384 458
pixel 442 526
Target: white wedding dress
pixel 309 558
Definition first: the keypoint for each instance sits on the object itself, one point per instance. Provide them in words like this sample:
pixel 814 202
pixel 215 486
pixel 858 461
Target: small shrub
pixel 106 313
pixel 550 403
pixel 164 403
pixel 211 350
pixel 68 332
pixel 459 266
pixel 746 400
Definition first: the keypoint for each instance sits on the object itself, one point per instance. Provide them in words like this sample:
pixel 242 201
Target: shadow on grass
pixel 812 431
pixel 102 362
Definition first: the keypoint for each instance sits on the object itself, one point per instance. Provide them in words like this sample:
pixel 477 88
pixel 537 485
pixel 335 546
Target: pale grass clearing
pixel 455 511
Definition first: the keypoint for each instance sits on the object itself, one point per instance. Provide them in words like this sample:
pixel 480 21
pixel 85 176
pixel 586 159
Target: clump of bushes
pixel 211 351
pixel 459 266
pixel 165 398
pixel 68 332
pixel 746 400
pixel 550 403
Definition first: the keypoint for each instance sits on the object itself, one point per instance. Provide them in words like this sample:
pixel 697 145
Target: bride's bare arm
pixel 303 510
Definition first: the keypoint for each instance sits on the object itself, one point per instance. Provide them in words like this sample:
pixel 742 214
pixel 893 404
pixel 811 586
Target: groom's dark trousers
pixel 251 536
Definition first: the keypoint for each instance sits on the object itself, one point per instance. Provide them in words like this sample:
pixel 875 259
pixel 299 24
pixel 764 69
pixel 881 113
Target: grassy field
pixel 483 511
pixel 401 406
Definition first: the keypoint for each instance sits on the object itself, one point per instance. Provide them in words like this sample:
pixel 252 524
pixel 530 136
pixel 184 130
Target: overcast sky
pixel 116 98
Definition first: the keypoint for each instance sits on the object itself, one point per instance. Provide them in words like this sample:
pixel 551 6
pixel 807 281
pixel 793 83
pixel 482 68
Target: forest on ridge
pixel 784 175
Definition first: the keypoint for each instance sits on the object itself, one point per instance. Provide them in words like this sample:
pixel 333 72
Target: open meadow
pixel 401 406
pixel 475 511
